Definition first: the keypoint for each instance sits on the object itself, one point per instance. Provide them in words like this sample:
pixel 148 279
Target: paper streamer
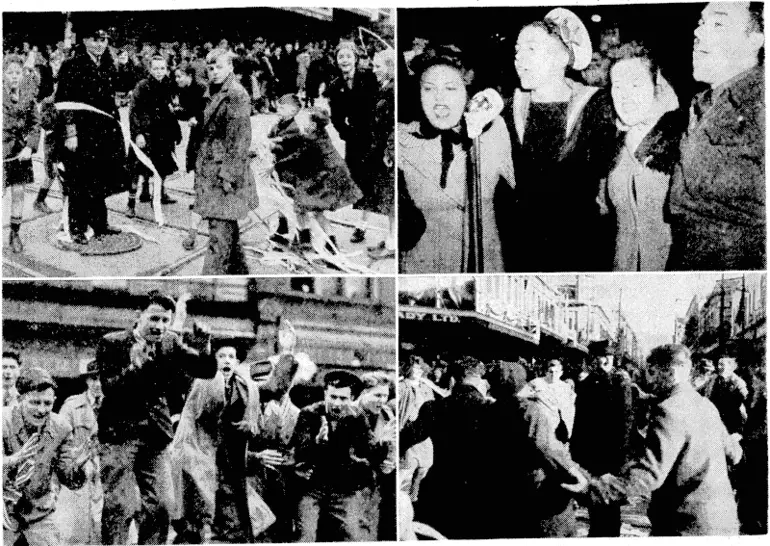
pixel 157 186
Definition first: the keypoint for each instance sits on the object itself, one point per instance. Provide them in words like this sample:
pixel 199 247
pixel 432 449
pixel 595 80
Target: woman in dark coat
pixel 352 99
pixel 562 135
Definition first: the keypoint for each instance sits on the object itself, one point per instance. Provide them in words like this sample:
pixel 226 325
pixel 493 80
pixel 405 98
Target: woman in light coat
pixel 650 126
pixel 434 169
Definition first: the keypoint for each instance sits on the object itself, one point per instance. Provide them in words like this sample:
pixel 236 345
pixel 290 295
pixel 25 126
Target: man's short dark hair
pixel 34 379
pixel 340 379
pixel 14 355
pixel 156 298
pixel 666 357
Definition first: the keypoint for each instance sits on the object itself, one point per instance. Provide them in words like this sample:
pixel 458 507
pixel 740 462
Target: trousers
pixel 225 255
pixel 340 517
pixel 126 467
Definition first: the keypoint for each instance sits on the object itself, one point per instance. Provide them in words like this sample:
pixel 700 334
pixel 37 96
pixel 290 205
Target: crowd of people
pixel 173 438
pixel 651 182
pixel 510 449
pixel 74 96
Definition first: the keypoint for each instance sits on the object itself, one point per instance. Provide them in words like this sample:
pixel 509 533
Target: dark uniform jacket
pixel 137 402
pixel 718 190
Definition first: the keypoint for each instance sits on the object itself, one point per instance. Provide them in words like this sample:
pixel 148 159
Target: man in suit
pixel 683 466
pixel 225 189
pixel 718 189
pixel 144 371
pixel 93 155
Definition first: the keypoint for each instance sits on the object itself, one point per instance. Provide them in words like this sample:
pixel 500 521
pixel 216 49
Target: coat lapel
pixel 216 100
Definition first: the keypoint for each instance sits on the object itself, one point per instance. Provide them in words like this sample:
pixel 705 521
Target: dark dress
pixel 552 219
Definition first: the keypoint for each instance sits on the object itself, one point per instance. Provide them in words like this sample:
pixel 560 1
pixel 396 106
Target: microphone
pixel 483 107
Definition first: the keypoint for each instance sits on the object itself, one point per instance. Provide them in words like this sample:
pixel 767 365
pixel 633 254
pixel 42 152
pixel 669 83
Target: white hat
pixel 574 34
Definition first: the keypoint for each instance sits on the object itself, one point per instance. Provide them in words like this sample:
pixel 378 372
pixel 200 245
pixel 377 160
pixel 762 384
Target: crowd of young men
pixel 180 441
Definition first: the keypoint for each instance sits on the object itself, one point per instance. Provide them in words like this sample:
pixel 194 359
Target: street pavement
pixel 161 253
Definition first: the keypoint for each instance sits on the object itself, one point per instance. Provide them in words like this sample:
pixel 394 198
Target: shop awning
pixel 429 314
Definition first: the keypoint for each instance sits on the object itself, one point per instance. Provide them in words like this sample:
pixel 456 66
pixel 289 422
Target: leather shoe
pixel 166 199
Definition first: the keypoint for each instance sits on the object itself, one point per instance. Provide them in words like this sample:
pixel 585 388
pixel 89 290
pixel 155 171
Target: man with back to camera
pixel 39 453
pixel 334 453
pixel 717 197
pixel 142 371
pixel 683 466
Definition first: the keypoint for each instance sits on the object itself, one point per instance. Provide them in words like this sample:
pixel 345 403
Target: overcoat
pixel 223 155
pixel 100 158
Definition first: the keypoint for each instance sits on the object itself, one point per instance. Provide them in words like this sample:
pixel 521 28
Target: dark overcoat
pixel 100 158
pixel 456 497
pixel 223 156
pixel 603 417
pixel 352 114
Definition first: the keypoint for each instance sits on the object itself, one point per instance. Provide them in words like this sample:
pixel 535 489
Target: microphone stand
pixel 475 230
